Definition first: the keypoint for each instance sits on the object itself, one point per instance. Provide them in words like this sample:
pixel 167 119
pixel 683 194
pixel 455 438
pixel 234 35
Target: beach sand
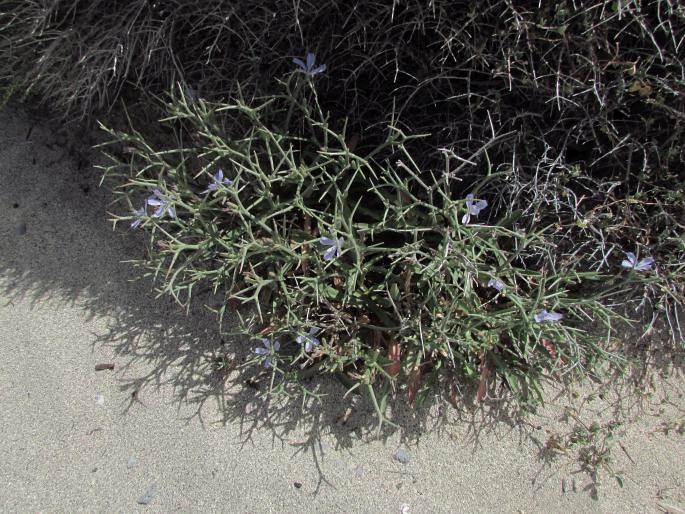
pixel 167 431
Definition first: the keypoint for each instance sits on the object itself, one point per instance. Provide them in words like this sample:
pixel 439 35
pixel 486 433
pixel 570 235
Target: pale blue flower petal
pixel 472 208
pixel 496 284
pixel 630 261
pixel 163 204
pixel 309 67
pixel 645 264
pixel 328 254
pixel 545 315
pixel 541 316
pixel 139 213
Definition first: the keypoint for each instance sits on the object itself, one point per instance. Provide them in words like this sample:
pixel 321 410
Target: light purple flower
pixel 310 341
pixel 632 263
pixel 218 180
pixel 269 350
pixel 309 67
pixel 139 217
pixel 334 246
pixel 497 284
pixel 162 204
pixel 545 315
pixel 472 208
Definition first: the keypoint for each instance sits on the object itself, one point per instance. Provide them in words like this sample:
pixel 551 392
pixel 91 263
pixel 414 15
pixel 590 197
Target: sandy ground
pixel 165 431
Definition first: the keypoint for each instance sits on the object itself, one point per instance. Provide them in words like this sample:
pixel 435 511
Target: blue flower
pixel 334 246
pixel 632 263
pixel 472 208
pixel 162 203
pixel 269 350
pixel 139 216
pixel 497 284
pixel 309 67
pixel 544 315
pixel 309 340
pixel 218 180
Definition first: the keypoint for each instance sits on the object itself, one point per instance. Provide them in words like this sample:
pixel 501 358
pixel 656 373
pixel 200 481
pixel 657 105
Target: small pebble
pixel 402 456
pixel 404 508
pixel 99 399
pixel 15 205
pixel 297 485
pixel 132 462
pixel 149 495
pixel 21 229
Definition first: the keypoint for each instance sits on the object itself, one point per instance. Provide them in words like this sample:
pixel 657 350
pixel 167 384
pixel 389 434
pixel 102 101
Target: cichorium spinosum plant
pixel 361 265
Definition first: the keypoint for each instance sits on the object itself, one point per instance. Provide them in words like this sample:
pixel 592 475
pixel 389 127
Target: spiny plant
pixel 358 264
